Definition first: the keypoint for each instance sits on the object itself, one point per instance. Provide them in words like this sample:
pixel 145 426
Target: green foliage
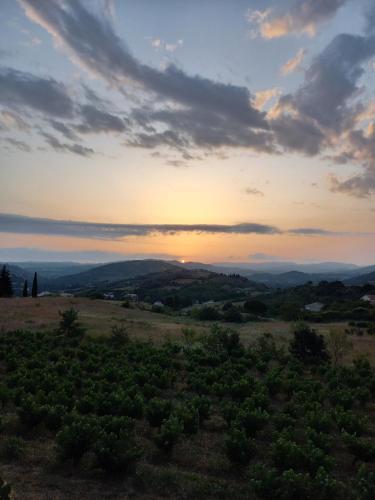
pixel 238 447
pixel 116 453
pixel 307 345
pixel 5 490
pixel 6 289
pixel 157 411
pixel 364 484
pixel 254 306
pixel 34 288
pixel 170 431
pixel 286 419
pixel 362 448
pixel 75 438
pixel 119 335
pixel 12 448
pixel 69 324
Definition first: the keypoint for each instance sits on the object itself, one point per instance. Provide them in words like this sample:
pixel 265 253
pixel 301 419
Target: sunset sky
pixel 205 130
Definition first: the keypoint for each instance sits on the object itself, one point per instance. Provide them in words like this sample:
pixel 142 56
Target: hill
pixel 110 273
pixel 362 279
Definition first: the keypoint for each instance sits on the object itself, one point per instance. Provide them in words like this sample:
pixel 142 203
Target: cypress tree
pixel 6 289
pixel 25 292
pixel 34 289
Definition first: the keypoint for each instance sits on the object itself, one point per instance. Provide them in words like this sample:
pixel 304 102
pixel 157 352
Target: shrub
pixel 12 448
pixel 54 416
pixel 307 345
pixel 30 412
pixel 169 433
pixel 75 439
pixel 364 484
pixel 116 454
pixel 189 417
pixel 5 490
pixel 362 448
pixel 157 411
pixel 264 481
pixel 208 313
pixel 69 324
pixel 251 419
pixel 232 315
pixel 119 335
pixel 254 306
pixel 238 447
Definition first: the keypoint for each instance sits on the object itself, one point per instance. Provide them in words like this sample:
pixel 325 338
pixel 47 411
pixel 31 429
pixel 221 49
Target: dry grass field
pixel 99 316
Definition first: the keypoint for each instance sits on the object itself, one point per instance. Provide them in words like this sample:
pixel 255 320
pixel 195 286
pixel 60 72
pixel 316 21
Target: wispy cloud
pixel 294 63
pixel 303 17
pixel 11 223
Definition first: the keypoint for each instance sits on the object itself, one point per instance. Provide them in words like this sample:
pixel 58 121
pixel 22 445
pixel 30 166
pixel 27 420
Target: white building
pixel 314 307
pixel 369 298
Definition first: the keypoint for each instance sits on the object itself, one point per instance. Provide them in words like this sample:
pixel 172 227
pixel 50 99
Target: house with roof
pixel 314 307
pixel 369 298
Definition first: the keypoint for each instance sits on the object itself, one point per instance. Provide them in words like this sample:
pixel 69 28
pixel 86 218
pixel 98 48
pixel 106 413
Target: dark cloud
pixel 313 231
pixel 46 95
pixel 20 224
pixel 332 80
pixel 96 120
pixel 92 42
pixel 17 144
pixel 298 134
pixel 201 128
pixel 66 131
pixel 60 147
pixel 30 225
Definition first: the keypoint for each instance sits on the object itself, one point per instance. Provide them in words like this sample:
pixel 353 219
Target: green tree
pixel 255 307
pixel 25 291
pixel 34 289
pixel 6 289
pixel 307 345
pixel 69 324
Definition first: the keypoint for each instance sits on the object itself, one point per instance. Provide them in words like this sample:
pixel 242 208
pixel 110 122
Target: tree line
pixel 6 286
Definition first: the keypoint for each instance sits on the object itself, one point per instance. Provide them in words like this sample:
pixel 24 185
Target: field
pixel 107 415
pixel 99 316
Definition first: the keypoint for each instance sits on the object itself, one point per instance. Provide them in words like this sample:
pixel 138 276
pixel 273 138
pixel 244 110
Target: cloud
pixel 11 119
pixel 331 81
pixel 259 256
pixel 32 225
pixel 60 147
pixel 303 17
pixel 313 231
pixel 17 144
pixel 99 50
pixel 20 224
pixel 294 63
pixel 253 192
pixel 67 132
pixel 45 95
pixel 96 121
pixel 159 44
pixel 18 254
pixel 298 134
pixel 200 128
pixel 262 97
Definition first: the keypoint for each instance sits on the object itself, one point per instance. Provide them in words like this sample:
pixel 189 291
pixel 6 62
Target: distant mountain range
pixel 56 276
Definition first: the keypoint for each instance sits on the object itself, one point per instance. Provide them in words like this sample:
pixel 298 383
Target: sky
pixel 207 130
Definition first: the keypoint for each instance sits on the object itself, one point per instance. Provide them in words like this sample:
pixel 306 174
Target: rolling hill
pixel 110 273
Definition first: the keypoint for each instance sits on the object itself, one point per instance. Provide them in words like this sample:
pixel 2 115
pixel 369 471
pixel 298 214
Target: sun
pixel 182 261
